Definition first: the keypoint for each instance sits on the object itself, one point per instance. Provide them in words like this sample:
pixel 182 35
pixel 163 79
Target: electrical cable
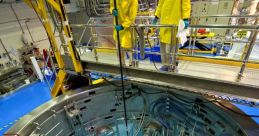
pixel 190 102
pixel 149 46
pixel 157 92
pixel 197 112
pixel 142 117
pixel 121 71
pixel 154 63
pixel 175 95
pixel 109 82
pixel 173 106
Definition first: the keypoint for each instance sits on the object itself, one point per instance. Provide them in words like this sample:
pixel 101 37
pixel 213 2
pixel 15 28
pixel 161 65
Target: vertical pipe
pixel 194 41
pixel 16 16
pixel 171 54
pixel 252 39
pixel 95 35
pixel 79 41
pixel 136 46
pixel 176 49
pixel 142 42
pixel 190 42
pixel 81 37
pixel 248 53
pixel 26 24
pixel 133 48
pixel 7 53
pixel 121 71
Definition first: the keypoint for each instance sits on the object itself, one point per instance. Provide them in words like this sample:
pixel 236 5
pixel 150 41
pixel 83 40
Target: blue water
pixel 23 101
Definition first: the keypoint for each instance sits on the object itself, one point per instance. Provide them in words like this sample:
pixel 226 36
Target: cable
pixel 149 46
pixel 236 112
pixel 121 71
pixel 106 80
pixel 157 92
pixel 177 97
pixel 142 117
pixel 150 49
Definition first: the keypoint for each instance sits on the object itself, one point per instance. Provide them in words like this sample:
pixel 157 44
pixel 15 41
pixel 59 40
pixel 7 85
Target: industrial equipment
pixel 142 101
pixel 157 110
pixel 12 79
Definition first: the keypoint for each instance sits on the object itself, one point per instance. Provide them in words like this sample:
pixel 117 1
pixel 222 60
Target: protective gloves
pixel 119 27
pixel 154 21
pixel 115 12
pixel 186 23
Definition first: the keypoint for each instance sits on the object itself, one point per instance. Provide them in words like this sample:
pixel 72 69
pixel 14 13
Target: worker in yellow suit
pixel 126 13
pixel 170 12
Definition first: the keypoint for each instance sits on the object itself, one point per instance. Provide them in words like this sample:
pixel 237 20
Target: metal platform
pixel 98 111
pixel 212 80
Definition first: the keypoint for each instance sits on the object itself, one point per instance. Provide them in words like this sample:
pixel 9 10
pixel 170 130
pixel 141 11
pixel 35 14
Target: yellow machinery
pixel 68 44
pixel 40 9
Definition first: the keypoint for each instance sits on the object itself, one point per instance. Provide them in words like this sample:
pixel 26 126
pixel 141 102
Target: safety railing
pixel 193 37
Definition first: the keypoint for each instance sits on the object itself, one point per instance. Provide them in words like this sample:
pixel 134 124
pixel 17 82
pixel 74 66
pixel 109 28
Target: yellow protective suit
pixel 127 10
pixel 170 12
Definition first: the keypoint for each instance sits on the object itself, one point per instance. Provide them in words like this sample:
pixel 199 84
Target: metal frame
pixel 52 118
pixel 199 85
pixel 40 9
pixel 225 90
pixel 191 50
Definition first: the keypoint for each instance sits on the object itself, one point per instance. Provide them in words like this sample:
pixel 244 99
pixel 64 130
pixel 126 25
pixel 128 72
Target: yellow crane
pixel 41 11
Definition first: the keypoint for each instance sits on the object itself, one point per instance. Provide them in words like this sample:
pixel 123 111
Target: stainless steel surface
pixel 245 27
pixel 227 16
pixel 248 53
pixel 97 110
pixel 196 84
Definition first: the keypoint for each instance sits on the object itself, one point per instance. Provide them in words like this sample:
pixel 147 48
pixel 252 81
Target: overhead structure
pixel 39 6
pixel 150 102
pixel 71 61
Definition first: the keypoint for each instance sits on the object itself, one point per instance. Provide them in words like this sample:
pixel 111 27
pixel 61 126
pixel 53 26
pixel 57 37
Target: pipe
pixel 246 27
pixel 7 53
pixel 247 55
pixel 26 23
pixel 121 71
pixel 190 42
pixel 227 16
pixel 16 16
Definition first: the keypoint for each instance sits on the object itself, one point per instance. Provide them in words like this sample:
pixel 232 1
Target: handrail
pixel 202 16
pixel 247 27
pixel 227 16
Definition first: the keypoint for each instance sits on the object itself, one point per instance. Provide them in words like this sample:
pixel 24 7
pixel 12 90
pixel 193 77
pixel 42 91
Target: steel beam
pixel 55 5
pixel 195 83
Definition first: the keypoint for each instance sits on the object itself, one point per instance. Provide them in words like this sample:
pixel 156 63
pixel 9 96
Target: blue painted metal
pixel 23 101
pixel 249 111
